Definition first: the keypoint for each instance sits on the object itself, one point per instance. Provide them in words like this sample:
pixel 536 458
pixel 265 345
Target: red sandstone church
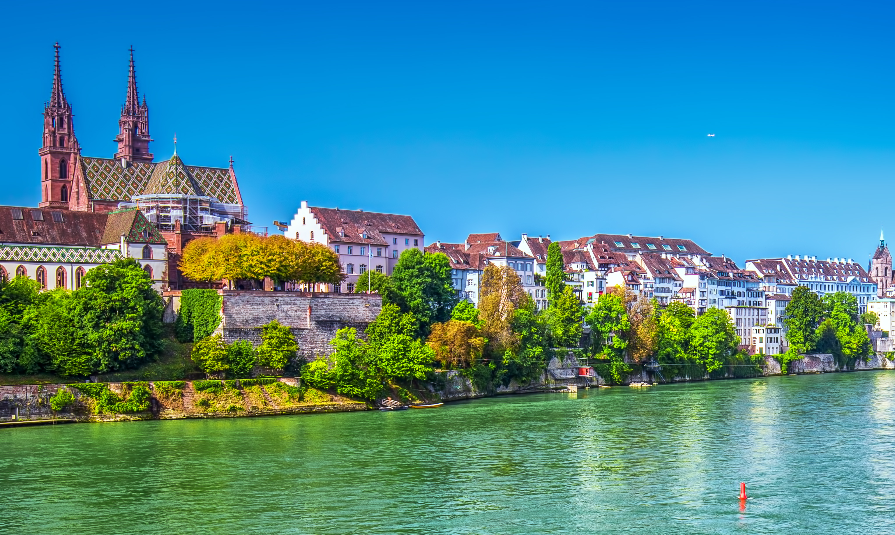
pixel 182 201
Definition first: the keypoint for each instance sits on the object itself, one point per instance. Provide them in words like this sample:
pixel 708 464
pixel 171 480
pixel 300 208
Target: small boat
pixel 426 405
pixel 394 408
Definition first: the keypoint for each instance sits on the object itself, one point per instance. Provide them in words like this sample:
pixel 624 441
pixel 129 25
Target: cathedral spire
pixel 133 127
pixel 132 102
pixel 57 98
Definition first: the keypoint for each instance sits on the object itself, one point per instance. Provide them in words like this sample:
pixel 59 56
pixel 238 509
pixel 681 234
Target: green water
pixel 816 453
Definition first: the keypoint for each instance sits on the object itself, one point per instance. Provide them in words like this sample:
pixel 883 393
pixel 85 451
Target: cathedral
pixel 182 201
pixel 881 269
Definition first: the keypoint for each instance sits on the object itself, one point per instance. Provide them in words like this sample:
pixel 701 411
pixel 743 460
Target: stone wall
pixel 313 317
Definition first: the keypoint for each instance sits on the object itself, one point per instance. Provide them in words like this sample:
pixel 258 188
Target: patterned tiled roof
pixel 133 225
pixel 107 179
pixel 58 255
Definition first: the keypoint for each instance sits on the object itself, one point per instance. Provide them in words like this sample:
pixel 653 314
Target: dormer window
pixel 619 244
pixel 635 245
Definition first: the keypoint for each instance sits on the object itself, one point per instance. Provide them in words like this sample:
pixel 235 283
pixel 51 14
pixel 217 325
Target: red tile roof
pixel 349 226
pixel 39 226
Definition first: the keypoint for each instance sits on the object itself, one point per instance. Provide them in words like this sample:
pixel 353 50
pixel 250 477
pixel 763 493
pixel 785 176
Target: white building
pixel 885 310
pixel 363 240
pixel 768 340
pixel 745 319
pixel 820 276
pixel 58 247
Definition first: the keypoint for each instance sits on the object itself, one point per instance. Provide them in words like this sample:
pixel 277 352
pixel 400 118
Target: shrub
pixel 202 386
pixel 62 399
pixel 278 346
pixel 199 314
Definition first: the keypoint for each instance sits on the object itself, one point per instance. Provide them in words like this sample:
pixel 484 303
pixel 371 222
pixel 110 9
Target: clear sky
pixel 557 118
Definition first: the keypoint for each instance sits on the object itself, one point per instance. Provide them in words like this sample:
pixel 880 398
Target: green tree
pixel 713 339
pixel 57 332
pixel 380 282
pixel 121 315
pixel 556 274
pixel 278 346
pixel 422 286
pixel 526 360
pixel 466 311
pixel 841 308
pixel 673 345
pixel 241 358
pixel 870 318
pixel 803 315
pixel 608 320
pixel 564 317
pixel 212 355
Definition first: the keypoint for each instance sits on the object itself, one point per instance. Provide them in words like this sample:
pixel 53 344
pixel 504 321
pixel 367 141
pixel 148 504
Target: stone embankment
pixel 172 400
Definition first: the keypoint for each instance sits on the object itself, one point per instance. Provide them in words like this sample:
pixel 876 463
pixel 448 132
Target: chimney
pixel 304 204
pixel 540 239
pixel 524 236
pixel 548 236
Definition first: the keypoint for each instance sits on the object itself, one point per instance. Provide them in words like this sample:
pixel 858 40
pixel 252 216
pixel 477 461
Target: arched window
pixel 147 252
pixel 79 277
pixel 302 221
pixel 350 269
pixel 63 169
pixel 3 275
pixel 60 277
pixel 363 268
pixel 42 277
pixel 46 172
pixel 148 269
pixel 21 271
pixel 46 193
pixel 62 142
pixel 63 194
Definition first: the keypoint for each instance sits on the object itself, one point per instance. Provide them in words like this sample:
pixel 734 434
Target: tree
pixel 422 286
pixel 500 295
pixel 643 335
pixel 713 339
pixel 457 344
pixel 673 344
pixel 58 334
pixel 120 314
pixel 556 274
pixel 199 260
pixel 841 309
pixel 608 320
pixel 380 282
pixel 869 318
pixel 278 346
pixel 466 311
pixel 528 358
pixel 211 355
pixel 564 318
pixel 803 316
pixel 241 357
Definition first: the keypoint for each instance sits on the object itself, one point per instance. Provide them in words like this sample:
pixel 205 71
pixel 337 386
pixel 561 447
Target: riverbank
pixel 165 400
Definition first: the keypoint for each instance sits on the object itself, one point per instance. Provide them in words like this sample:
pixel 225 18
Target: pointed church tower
pixel 60 146
pixel 133 127
pixel 881 267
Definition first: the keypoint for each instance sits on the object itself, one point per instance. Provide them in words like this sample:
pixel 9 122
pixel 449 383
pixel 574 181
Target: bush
pixel 278 346
pixel 62 399
pixel 137 396
pixel 199 316
pixel 202 386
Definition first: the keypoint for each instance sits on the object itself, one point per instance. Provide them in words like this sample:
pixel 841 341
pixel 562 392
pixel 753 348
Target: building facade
pixel 363 240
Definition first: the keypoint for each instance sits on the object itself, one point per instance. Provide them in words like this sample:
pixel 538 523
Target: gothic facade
pixel 182 201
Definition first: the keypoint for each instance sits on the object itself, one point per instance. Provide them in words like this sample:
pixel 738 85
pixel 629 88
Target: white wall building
pixel 363 240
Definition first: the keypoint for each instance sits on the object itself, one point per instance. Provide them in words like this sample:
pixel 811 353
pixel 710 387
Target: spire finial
pixel 175 143
pixel 57 98
pixel 231 161
pixel 132 102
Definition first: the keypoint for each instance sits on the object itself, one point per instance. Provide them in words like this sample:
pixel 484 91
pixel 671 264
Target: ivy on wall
pixel 200 314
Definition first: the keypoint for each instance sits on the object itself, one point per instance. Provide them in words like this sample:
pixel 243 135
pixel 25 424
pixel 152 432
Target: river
pixel 816 453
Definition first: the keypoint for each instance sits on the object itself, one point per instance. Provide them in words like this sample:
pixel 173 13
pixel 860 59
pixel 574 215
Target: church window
pixel 148 269
pixel 60 277
pixel 3 275
pixel 46 173
pixel 79 277
pixel 21 271
pixel 62 142
pixel 63 194
pixel 147 252
pixel 63 169
pixel 42 277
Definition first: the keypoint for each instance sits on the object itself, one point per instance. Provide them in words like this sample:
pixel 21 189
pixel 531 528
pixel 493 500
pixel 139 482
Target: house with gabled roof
pixel 363 240
pixel 58 247
pixel 466 268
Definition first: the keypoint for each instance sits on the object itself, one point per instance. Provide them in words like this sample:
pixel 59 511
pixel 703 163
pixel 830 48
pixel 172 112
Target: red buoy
pixel 743 491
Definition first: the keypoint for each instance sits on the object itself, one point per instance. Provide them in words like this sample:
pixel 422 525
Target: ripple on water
pixel 814 450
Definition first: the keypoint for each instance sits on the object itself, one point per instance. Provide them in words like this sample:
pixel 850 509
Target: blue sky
pixel 557 118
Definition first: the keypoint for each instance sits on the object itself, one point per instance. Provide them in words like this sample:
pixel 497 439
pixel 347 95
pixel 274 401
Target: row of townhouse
pixel 665 269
